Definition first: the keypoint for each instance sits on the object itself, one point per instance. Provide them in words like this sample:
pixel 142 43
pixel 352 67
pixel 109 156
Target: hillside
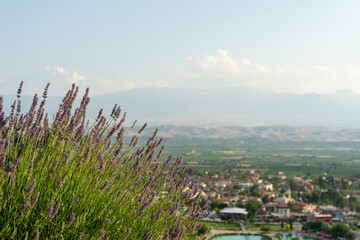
pixel 270 133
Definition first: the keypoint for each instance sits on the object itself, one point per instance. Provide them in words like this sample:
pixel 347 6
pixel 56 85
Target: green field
pixel 341 159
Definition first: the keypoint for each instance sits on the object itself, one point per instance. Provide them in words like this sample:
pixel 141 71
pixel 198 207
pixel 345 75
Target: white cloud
pixel 72 77
pixel 130 85
pixel 60 70
pixel 226 62
pixel 219 62
pixel 163 84
pixel 262 68
pixel 2 80
pixel 246 62
pixel 220 70
pixel 208 62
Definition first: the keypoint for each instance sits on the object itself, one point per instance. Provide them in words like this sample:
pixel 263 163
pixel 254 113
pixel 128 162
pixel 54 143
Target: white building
pixel 246 185
pixel 233 213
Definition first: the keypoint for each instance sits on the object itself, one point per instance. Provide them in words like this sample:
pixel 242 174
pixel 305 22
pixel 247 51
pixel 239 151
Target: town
pixel 263 199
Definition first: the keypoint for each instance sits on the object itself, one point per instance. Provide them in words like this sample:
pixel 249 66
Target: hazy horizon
pixel 239 106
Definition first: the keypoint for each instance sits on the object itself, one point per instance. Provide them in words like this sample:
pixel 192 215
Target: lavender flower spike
pixel 36 236
pixel 59 182
pixel 71 220
pixel 30 189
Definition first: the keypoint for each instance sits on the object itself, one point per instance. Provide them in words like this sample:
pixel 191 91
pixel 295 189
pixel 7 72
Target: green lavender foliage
pixel 64 178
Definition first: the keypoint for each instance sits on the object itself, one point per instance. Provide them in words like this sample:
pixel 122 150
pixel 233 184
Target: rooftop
pixel 234 210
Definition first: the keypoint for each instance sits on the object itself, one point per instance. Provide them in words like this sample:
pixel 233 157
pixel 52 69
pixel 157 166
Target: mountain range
pixel 223 107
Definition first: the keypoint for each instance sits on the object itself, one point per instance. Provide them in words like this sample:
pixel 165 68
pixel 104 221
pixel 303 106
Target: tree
pixel 320 182
pixel 291 206
pixel 265 228
pixel 265 199
pixel 315 197
pixel 252 206
pixel 216 205
pixel 341 230
pixel 325 227
pixel 202 230
pixel 316 225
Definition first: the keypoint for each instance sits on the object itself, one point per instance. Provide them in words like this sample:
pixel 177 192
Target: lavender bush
pixel 64 178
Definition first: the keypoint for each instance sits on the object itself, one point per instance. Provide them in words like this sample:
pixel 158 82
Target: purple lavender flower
pixel 114 110
pixel 30 189
pixel 71 220
pixel 59 182
pixel 12 177
pixel 66 157
pixel 142 128
pixel 18 108
pixel 51 213
pixel 99 115
pixel 168 160
pixel 105 185
pixel 23 206
pixel 102 234
pixel 46 90
pixel 119 193
pixel 179 160
pixel 128 232
pixel 35 200
pixel 95 184
pixel 11 168
pixel 37 234
pixel 101 167
pixel 118 112
pixel 50 209
pixel 31 165
pixel 160 153
pixel 20 89
pixel 146 235
pixel 109 189
pixel 56 210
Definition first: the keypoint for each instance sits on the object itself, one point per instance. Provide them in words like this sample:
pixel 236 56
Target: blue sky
pixel 283 46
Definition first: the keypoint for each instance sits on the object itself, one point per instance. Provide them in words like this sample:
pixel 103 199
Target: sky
pixel 111 46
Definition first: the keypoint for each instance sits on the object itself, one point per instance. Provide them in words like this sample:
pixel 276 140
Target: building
pixel 283 210
pixel 322 217
pixel 268 186
pixel 303 207
pixel 246 185
pixel 234 213
pixel 350 217
pixel 300 217
pixel 281 175
pixel 275 212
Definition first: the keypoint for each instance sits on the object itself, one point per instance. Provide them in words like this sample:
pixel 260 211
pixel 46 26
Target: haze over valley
pixel 223 107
